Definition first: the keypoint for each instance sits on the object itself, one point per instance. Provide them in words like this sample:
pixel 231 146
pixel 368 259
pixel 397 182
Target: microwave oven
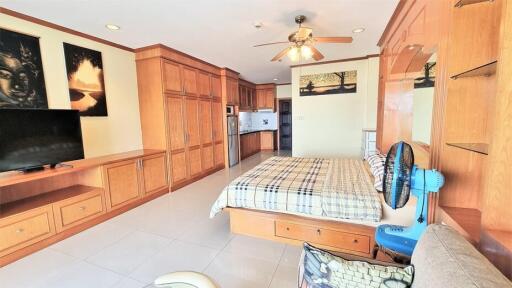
pixel 230 110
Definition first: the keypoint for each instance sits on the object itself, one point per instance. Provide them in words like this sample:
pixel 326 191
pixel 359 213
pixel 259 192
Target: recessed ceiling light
pixel 257 24
pixel 358 30
pixel 275 79
pixel 113 27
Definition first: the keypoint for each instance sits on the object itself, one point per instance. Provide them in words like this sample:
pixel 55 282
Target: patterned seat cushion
pixel 320 269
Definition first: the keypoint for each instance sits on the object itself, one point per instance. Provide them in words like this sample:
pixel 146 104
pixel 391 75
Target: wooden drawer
pixel 327 237
pixel 76 210
pixel 24 229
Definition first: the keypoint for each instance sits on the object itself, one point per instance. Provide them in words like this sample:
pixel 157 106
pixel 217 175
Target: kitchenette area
pixel 252 124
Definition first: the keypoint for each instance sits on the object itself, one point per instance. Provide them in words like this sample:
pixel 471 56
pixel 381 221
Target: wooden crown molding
pixel 282 84
pixel 336 61
pixel 62 28
pixel 392 22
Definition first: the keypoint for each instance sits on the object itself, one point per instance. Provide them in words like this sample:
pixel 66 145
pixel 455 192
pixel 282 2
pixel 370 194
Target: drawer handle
pixel 319 231
pixel 82 208
pixel 20 230
pixel 287 228
pixel 355 241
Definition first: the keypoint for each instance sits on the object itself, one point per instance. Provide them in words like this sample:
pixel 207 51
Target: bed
pixel 329 202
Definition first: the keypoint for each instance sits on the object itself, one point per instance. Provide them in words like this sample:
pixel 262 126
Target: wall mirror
pixel 423 102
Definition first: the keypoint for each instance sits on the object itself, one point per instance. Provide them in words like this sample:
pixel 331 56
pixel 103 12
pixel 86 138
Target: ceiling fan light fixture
pixel 358 30
pixel 306 52
pixel 294 54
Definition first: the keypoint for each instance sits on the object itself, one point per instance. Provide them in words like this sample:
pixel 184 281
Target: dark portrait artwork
pixel 85 80
pixel 21 72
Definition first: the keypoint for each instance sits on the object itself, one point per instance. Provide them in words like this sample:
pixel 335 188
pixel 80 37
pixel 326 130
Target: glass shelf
pixel 484 70
pixel 469 2
pixel 481 148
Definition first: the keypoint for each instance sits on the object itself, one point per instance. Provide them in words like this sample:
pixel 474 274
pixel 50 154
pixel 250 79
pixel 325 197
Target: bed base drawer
pixel 323 236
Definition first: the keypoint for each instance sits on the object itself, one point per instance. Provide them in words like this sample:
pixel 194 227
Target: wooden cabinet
pixel 265 96
pixel 247 92
pixel 24 229
pixel 216 86
pixel 249 144
pixel 218 134
pixel 180 117
pixel 232 96
pixel 172 77
pixel 267 140
pixel 53 204
pixel 154 176
pixel 121 183
pixel 206 122
pixel 79 209
pixel 126 181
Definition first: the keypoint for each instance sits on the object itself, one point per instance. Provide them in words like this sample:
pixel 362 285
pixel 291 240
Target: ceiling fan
pixel 302 43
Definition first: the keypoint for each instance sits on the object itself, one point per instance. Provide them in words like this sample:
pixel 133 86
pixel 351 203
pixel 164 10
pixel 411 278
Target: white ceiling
pixel 221 31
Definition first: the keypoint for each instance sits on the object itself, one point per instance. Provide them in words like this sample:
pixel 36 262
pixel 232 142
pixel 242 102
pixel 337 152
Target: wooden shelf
pixel 47 198
pixel 462 3
pixel 485 70
pixel 468 220
pixel 15 177
pixel 481 148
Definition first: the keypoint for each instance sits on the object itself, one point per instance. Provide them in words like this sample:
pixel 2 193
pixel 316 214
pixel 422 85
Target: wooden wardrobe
pixel 181 111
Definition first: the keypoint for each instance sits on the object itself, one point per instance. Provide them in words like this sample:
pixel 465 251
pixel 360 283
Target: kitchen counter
pixel 243 132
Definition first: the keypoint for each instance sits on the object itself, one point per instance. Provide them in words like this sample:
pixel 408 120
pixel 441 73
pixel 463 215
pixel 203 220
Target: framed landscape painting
pixel 21 71
pixel 85 80
pixel 328 83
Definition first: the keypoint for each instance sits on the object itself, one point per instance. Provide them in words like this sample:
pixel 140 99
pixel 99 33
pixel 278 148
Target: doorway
pixel 285 124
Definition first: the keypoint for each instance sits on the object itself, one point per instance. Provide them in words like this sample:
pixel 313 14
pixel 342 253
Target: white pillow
pixel 377 162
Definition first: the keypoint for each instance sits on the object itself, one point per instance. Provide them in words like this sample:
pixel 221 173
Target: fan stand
pixel 402 239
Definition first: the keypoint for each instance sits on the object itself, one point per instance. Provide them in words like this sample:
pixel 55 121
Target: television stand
pixel 43 207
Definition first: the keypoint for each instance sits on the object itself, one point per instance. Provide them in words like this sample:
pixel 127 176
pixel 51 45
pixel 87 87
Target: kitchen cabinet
pixel 265 96
pixel 232 96
pixel 267 140
pixel 247 93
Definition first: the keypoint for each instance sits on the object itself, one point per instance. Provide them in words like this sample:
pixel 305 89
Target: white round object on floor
pixel 184 279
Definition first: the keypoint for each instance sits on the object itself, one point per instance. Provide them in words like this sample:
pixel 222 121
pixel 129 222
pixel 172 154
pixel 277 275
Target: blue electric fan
pixel 401 177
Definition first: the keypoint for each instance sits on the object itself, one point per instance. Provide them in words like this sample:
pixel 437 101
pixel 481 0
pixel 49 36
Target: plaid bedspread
pixel 334 188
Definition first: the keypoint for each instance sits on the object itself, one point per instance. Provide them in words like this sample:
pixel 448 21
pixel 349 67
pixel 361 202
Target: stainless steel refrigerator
pixel 233 140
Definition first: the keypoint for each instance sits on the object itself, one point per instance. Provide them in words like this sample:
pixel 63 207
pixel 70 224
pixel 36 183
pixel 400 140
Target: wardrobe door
pixel 218 133
pixel 205 112
pixel 189 81
pixel 204 84
pixel 176 120
pixel 193 136
pixel 216 86
pixel 172 77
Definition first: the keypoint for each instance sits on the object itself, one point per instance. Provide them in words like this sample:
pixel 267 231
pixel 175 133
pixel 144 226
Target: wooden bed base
pixel 334 236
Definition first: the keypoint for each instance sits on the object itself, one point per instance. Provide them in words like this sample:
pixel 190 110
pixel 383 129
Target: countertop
pixel 243 132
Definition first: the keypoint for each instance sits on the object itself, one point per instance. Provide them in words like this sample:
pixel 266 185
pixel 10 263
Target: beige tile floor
pixel 168 234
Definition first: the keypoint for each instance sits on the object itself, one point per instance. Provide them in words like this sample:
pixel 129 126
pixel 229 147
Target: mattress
pixel 321 188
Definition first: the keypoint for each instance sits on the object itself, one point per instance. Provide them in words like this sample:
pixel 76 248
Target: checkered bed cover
pixel 334 188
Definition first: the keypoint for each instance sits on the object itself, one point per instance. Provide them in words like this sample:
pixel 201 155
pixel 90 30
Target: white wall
pixel 422 105
pixel 121 130
pixel 284 91
pixel 331 125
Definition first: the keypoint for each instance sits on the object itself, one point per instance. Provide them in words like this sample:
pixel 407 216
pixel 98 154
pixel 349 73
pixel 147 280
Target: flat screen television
pixel 32 138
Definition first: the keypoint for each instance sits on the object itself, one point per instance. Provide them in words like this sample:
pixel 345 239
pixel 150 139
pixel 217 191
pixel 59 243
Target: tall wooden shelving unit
pixel 469 109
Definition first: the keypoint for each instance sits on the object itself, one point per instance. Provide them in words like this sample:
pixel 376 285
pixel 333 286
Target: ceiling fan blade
pixel 333 39
pixel 316 54
pixel 303 32
pixel 282 42
pixel 281 54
